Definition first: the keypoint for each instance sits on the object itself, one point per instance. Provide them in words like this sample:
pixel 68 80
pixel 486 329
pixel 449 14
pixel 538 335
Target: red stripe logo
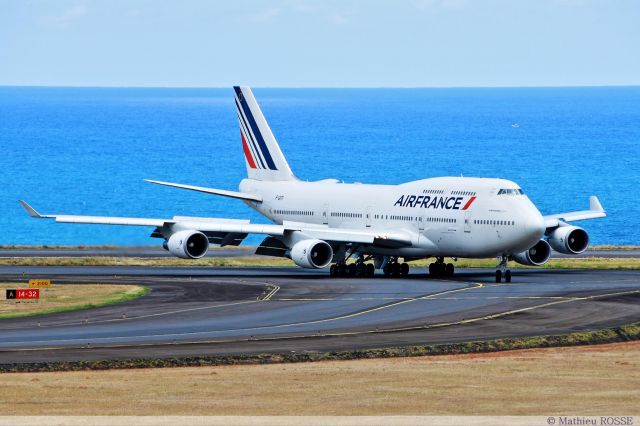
pixel 247 153
pixel 471 200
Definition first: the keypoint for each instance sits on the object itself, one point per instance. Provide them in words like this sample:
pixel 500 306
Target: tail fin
pixel 264 158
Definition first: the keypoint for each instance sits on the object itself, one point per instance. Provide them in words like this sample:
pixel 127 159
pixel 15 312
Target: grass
pixel 260 261
pixel 68 297
pixel 564 263
pixel 257 261
pixel 612 247
pixel 587 380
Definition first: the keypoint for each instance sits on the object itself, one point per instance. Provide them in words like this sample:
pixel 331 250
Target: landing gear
pixel 503 271
pixel 441 269
pixel 357 269
pixel 404 269
pixel 395 269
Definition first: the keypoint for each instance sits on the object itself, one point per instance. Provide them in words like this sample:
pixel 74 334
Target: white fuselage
pixel 445 216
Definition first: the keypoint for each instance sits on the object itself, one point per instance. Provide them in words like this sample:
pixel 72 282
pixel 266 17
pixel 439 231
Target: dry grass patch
pixel 257 261
pixel 592 380
pixel 66 297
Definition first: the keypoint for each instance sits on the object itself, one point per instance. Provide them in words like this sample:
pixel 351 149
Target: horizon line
pixel 320 87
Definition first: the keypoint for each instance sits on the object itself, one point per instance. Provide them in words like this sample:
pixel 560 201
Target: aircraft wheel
pixel 395 270
pixel 341 270
pixel 449 269
pixel 431 269
pixel 404 269
pixel 332 270
pixel 498 276
pixel 352 270
pixel 370 270
pixel 387 270
pixel 507 276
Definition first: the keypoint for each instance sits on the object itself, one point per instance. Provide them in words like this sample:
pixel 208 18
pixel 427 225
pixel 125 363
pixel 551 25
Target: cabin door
pixel 325 214
pixel 467 221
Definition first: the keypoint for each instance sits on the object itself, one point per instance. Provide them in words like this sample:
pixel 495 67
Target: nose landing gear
pixel 503 271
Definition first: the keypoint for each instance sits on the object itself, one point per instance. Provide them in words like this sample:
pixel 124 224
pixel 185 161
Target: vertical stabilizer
pixel 263 156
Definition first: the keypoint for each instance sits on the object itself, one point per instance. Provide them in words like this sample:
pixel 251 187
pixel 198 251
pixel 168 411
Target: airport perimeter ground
pixel 238 312
pixel 588 380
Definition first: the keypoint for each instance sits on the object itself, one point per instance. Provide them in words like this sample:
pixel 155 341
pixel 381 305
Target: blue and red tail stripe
pixel 247 153
pixel 254 132
pixel 251 144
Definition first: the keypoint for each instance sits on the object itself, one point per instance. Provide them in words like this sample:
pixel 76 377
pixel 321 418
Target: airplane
pixel 357 228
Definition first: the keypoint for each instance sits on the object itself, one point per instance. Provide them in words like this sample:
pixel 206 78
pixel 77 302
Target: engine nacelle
pixel 188 244
pixel 311 253
pixel 535 256
pixel 569 239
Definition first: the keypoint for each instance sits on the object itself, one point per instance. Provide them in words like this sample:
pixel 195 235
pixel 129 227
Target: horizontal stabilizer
pixel 221 192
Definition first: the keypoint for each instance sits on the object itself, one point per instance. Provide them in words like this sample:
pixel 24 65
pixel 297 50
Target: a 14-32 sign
pixel 23 293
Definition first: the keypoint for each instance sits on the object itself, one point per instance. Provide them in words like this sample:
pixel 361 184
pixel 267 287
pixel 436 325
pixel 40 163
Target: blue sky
pixel 281 43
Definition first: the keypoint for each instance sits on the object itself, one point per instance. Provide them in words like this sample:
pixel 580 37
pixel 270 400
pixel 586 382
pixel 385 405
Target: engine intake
pixel 188 244
pixel 535 256
pixel 311 253
pixel 569 239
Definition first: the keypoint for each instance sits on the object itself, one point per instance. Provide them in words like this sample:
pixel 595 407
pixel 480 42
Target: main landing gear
pixel 393 268
pixel 358 269
pixel 503 271
pixel 441 269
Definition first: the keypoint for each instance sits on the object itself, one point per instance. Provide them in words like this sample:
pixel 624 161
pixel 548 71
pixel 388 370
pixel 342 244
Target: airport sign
pixel 23 293
pixel 39 283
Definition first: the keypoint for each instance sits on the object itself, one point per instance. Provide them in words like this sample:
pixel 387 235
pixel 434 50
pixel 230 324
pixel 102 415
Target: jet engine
pixel 311 253
pixel 569 239
pixel 187 244
pixel 535 256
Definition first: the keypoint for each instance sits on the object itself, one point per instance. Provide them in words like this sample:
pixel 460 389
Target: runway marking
pixel 272 292
pixel 529 308
pixel 365 299
pixel 368 311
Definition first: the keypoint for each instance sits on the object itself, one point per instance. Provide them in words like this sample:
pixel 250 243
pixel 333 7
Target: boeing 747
pixel 328 223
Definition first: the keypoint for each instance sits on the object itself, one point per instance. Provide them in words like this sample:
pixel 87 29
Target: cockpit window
pixel 511 192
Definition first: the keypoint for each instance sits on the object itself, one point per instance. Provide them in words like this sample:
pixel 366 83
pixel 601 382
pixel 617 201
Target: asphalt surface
pixel 202 311
pixel 158 251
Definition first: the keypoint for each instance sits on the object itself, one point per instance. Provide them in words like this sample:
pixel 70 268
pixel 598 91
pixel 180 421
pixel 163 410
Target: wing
pixel 232 231
pixel 595 211
pixel 222 192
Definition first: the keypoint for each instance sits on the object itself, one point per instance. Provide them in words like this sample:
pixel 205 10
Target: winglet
pixel 30 210
pixel 594 204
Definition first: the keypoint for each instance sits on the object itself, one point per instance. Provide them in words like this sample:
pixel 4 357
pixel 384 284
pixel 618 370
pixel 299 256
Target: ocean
pixel 87 150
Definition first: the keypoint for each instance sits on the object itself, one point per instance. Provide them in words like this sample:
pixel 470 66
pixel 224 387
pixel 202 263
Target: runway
pixel 205 311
